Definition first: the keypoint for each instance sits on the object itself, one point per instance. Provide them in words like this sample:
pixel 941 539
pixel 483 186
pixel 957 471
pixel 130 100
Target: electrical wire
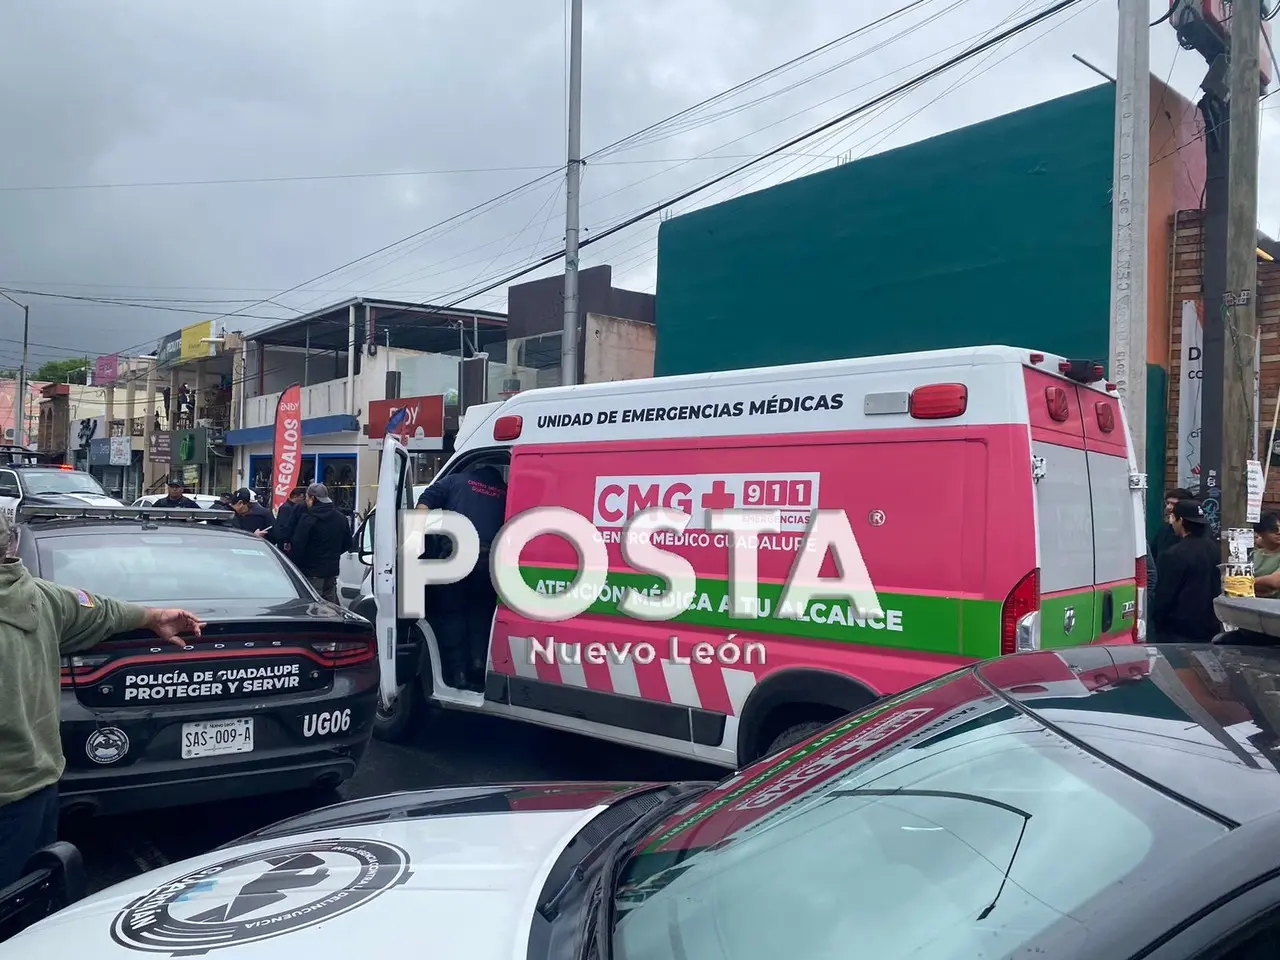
pixel 911 84
pixel 900 11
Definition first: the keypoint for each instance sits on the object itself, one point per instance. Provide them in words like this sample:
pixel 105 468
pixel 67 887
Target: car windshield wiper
pixel 969 797
pixel 598 925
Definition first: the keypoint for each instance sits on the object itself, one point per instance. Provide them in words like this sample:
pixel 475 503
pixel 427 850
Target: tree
pixel 72 370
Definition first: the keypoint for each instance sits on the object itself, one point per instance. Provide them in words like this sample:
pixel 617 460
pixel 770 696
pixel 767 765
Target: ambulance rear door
pixel 1064 509
pixel 1116 518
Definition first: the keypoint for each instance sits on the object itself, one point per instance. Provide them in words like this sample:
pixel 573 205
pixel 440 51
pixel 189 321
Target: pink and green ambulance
pixel 992 492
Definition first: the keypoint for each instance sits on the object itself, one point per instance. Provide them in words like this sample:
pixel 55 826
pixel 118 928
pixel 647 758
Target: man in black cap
pixel 250 515
pixel 177 498
pixel 281 532
pixel 1188 580
pixel 321 537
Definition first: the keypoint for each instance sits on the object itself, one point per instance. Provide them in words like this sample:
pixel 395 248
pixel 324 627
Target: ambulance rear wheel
pixel 405 717
pixel 796 733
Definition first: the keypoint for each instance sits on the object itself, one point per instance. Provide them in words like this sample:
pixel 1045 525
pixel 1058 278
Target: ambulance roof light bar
pixel 1081 371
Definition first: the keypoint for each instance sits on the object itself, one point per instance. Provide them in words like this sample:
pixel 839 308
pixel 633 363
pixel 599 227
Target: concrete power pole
pixel 1128 346
pixel 1238 308
pixel 573 178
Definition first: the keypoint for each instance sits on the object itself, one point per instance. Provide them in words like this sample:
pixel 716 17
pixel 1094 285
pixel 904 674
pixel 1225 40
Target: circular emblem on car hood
pixel 106 745
pixel 259 896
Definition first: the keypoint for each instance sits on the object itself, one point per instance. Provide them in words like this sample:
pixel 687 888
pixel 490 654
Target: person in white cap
pixel 40 622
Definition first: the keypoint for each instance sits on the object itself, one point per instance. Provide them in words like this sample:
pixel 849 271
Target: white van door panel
pixel 1113 518
pixel 1065 519
pixel 392 480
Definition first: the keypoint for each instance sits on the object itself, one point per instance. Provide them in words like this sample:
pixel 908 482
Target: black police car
pixel 278 694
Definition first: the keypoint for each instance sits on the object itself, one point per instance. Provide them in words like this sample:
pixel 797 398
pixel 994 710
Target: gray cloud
pixel 142 91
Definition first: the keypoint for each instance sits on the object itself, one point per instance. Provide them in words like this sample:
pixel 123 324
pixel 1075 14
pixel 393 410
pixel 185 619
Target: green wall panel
pixel 995 233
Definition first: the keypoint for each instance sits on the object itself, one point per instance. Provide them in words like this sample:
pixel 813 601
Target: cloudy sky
pixel 334 128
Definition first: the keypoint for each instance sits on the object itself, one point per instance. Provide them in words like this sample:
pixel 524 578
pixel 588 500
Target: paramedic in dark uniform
pixel 1189 579
pixel 177 497
pixel 462 613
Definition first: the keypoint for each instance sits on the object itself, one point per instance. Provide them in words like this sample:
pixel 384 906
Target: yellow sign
pixel 195 342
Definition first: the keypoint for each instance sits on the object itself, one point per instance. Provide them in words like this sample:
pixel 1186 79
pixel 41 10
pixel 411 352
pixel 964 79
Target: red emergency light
pixel 1106 416
pixel 939 401
pixel 1055 401
pixel 508 428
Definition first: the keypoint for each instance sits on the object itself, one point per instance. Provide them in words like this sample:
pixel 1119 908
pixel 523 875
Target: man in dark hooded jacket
pixel 321 537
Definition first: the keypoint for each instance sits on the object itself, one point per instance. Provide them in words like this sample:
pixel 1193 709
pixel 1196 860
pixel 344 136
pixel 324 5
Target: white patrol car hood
pixel 75 499
pixel 452 886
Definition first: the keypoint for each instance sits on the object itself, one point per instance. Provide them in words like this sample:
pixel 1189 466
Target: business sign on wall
pixel 106 370
pixel 100 452
pixel 189 446
pixel 195 342
pixel 169 350
pixel 424 428
pixel 83 432
pixel 1190 391
pixel 160 447
pixel 198 341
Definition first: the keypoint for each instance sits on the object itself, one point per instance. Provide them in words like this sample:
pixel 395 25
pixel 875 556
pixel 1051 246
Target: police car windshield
pixel 163 567
pixel 932 830
pixel 60 481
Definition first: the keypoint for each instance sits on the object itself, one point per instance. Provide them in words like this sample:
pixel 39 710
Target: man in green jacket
pixel 40 622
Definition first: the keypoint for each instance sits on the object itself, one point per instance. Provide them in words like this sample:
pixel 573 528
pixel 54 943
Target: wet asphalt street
pixel 455 749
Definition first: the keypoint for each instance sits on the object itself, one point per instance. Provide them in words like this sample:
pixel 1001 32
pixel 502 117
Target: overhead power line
pixel 919 79
pixel 509 194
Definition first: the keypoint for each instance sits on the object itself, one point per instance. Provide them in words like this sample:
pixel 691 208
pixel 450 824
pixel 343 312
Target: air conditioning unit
pixel 8 433
pixel 204 423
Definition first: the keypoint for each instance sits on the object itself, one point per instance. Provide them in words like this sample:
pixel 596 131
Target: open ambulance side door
pixel 393 494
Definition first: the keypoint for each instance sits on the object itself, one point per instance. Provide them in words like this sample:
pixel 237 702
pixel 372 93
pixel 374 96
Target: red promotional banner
pixel 287 449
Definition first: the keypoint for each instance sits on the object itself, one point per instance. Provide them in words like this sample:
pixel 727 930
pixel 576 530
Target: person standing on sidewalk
pixel 1166 536
pixel 320 538
pixel 251 516
pixel 1188 580
pixel 176 497
pixel 40 622
pixel 1266 555
pixel 281 532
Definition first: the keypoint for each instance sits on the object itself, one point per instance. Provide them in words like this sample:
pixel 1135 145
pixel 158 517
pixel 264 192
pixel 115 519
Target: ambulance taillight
pixel 1020 616
pixel 939 401
pixel 1140 606
pixel 508 428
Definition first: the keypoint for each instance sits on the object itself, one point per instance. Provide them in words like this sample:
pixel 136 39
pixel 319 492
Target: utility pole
pixel 20 430
pixel 573 179
pixel 1128 341
pixel 1238 303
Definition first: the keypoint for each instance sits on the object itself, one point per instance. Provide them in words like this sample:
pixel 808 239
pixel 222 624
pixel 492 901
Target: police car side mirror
pixel 364 540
